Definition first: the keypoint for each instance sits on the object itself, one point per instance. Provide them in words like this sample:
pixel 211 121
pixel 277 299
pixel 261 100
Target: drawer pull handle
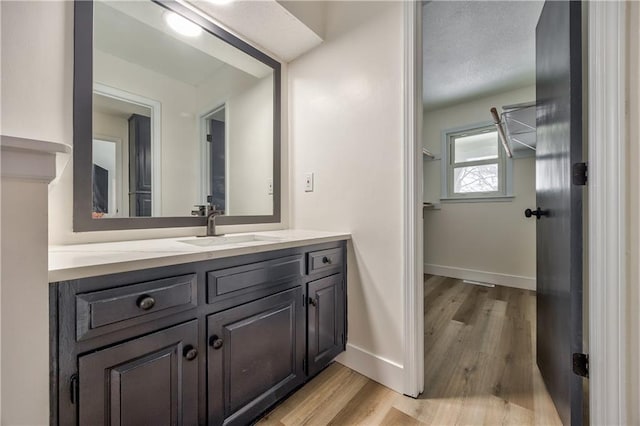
pixel 216 342
pixel 146 302
pixel 326 260
pixel 190 353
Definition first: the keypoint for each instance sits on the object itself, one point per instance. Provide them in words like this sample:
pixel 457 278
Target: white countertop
pixel 67 262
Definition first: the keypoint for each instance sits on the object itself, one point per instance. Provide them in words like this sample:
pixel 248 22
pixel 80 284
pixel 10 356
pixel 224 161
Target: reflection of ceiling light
pixel 182 25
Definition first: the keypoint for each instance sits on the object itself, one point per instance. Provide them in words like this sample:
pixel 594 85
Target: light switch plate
pixel 308 182
pixel 270 186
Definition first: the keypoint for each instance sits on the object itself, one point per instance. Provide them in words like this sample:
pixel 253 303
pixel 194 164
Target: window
pixel 474 164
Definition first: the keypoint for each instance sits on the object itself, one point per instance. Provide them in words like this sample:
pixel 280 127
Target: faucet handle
pixel 213 210
pixel 211 207
pixel 201 210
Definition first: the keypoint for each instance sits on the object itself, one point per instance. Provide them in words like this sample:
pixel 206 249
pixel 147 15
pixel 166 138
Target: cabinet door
pixel 326 321
pixel 152 380
pixel 140 163
pixel 255 356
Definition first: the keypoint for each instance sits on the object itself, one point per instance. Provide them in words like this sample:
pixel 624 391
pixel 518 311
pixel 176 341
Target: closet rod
pixel 503 136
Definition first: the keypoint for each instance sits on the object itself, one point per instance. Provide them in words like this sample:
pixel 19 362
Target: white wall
pixel 36 103
pixel 487 241
pixel 250 150
pixel 346 127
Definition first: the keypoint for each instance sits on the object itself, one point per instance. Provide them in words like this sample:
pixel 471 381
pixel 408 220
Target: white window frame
pixel 505 167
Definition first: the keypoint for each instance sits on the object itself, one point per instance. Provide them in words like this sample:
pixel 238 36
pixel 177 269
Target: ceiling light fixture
pixel 182 25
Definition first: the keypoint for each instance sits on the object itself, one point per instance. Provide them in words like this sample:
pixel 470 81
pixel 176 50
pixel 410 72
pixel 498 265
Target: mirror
pixel 170 112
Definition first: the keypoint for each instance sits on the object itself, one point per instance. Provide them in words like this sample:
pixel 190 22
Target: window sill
pixel 493 199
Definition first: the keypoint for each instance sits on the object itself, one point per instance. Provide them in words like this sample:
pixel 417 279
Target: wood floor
pixel 479 369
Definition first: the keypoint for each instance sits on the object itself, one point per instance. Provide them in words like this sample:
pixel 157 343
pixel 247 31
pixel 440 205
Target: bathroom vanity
pixel 221 332
pixel 171 111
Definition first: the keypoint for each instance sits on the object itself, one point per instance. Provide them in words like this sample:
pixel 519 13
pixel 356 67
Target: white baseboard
pixel 375 367
pixel 517 281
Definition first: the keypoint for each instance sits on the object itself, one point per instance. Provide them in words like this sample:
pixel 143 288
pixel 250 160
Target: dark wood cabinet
pixel 325 321
pixel 255 356
pixel 140 163
pixel 104 311
pixel 152 380
pixel 214 342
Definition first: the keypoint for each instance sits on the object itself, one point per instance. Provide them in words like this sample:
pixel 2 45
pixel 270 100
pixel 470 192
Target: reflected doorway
pixel 215 124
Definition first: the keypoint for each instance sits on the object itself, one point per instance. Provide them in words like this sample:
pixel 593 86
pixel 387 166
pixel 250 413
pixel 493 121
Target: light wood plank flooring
pixel 479 369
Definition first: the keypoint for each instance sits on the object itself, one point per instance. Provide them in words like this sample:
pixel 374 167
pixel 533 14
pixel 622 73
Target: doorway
pixel 108 188
pixel 610 52
pixel 132 123
pixel 213 125
pixel 479 89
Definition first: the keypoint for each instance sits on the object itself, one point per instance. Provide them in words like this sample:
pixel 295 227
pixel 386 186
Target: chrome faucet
pixel 212 214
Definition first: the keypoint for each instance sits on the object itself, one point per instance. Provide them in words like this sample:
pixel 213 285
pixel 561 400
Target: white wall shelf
pixel 31 159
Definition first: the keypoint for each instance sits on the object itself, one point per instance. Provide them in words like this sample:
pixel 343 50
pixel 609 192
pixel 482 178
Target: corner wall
pixel 346 127
pixel 36 93
pixel 483 241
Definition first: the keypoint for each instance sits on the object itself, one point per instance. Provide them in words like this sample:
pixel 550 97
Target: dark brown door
pixel 559 227
pixel 255 356
pixel 325 321
pixel 217 165
pixel 152 380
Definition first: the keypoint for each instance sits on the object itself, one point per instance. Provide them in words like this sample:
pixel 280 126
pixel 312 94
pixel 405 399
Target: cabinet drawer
pixel 260 278
pixel 104 311
pixel 324 260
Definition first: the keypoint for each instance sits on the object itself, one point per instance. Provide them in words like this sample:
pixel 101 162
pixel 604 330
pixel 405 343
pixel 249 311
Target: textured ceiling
pixel 476 48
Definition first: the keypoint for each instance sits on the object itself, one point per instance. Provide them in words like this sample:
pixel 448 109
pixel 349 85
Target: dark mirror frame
pixel 83 128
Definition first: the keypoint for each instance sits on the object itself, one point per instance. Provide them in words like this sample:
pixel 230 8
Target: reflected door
pixel 139 165
pixel 216 138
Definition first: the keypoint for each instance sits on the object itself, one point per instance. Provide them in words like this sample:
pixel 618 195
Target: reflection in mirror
pixel 180 117
pixel 122 183
pixel 214 125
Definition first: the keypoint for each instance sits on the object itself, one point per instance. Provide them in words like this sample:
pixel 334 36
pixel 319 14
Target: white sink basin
pixel 230 239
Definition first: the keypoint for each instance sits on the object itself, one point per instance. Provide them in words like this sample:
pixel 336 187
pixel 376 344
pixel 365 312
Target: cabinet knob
pixel 190 353
pixel 146 302
pixel 312 301
pixel 216 342
pixel 325 259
